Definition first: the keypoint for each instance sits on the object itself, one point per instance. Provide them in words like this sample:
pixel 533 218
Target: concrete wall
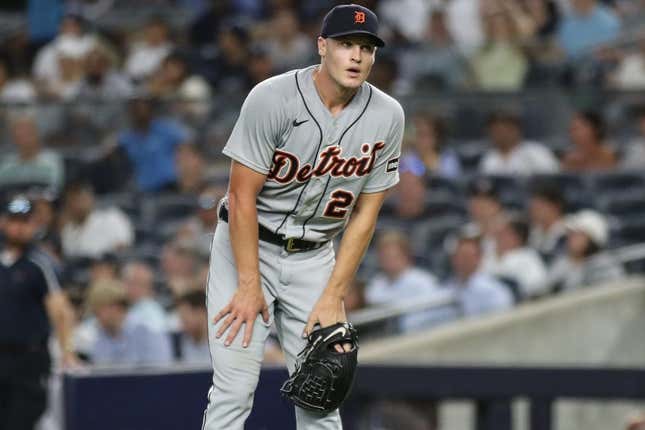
pixel 600 326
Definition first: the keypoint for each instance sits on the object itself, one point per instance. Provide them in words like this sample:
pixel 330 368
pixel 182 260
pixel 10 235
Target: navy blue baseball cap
pixel 349 19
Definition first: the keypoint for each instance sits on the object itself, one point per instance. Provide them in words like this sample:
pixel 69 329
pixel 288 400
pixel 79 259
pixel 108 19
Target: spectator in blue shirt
pixel 588 25
pixel 151 144
pixel 120 342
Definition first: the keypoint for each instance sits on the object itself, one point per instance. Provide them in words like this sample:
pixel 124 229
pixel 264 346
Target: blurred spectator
pixel 430 149
pixel 102 79
pixel 138 280
pixel 99 93
pixel 200 227
pixel 630 73
pixel 146 55
pixel 585 26
pixel 87 231
pixel 486 212
pixel 465 24
pixel 120 342
pixel 399 414
pixel 191 343
pixel 203 32
pixel 45 213
pixel 151 145
pixel 546 210
pixel 191 166
pixel 384 77
pixel 407 19
pixel 287 46
pixel 174 82
pixel 500 64
pixel 511 154
pixel 31 304
pixel 515 262
pixel 260 66
pixel 409 200
pixel 634 155
pixel 399 280
pixel 103 267
pixel 584 264
pixel 476 292
pixel 30 164
pixel 67 50
pixel 436 61
pixel 183 267
pixel 590 151
pixel 228 70
pixel 14 89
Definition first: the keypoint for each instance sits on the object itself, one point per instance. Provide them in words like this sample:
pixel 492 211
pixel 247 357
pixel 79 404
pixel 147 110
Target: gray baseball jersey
pixel 316 164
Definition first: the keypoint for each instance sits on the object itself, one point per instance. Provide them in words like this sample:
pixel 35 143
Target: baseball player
pixel 313 152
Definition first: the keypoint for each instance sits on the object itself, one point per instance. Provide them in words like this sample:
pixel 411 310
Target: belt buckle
pixel 290 245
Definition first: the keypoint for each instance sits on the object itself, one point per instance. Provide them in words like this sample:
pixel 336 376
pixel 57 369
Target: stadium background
pixel 558 86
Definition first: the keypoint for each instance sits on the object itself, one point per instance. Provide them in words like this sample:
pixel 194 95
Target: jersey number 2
pixel 337 206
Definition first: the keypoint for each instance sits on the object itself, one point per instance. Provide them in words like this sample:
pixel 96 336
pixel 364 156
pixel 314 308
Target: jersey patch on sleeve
pixel 392 165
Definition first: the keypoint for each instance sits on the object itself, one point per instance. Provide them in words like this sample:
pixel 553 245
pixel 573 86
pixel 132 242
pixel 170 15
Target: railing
pixel 173 400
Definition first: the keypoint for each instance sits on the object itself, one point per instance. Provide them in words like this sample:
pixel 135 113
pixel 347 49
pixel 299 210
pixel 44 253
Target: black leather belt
pixel 291 244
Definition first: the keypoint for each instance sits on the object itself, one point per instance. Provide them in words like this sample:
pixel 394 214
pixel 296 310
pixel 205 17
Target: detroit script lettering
pixel 286 166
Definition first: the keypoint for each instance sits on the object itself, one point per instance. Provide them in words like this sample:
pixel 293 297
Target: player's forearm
pixel 356 239
pixel 243 229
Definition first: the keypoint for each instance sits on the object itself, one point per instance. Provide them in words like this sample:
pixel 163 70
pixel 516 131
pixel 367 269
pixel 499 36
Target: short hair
pixel 507 117
pixel 550 191
pixel 77 186
pixel 195 299
pixel 520 226
pixel 595 121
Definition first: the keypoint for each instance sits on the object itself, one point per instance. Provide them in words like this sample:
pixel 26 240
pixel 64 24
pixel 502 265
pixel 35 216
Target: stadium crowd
pixel 114 114
pixel 113 129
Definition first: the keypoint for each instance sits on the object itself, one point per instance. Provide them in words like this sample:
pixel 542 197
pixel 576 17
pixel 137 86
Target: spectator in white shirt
pixel 88 231
pixel 146 56
pixel 546 210
pixel 71 44
pixel 399 280
pixel 510 154
pixel 138 279
pixel 515 262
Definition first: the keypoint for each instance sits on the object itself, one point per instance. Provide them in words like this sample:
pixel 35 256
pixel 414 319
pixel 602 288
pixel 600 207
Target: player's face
pixel 348 59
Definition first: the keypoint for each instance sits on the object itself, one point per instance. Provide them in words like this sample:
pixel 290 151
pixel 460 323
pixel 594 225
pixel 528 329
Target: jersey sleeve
pixel 385 173
pixel 255 135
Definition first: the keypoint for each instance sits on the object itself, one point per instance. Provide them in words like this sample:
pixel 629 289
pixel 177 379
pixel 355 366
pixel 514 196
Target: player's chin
pixel 353 82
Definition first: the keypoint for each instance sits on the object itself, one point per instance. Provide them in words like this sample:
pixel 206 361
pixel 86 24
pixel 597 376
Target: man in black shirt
pixel 31 301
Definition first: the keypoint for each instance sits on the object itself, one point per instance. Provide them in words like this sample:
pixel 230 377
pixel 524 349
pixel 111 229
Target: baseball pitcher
pixel 313 152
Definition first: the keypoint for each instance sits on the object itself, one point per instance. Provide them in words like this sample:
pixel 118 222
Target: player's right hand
pixel 243 308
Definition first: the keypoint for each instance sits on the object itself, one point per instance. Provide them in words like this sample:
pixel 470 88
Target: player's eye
pixel 346 44
pixel 367 48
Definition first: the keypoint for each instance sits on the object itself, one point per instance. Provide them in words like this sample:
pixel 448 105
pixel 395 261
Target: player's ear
pixel 322 46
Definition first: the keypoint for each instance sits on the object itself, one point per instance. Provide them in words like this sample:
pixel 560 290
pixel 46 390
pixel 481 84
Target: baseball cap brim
pixel 377 40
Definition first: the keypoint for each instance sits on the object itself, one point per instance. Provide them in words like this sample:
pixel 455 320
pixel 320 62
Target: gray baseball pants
pixel 292 283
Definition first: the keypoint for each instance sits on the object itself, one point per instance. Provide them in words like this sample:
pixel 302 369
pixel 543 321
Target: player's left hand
pixel 328 310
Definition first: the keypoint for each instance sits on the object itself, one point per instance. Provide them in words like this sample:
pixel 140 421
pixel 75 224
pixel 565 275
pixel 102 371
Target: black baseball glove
pixel 323 376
